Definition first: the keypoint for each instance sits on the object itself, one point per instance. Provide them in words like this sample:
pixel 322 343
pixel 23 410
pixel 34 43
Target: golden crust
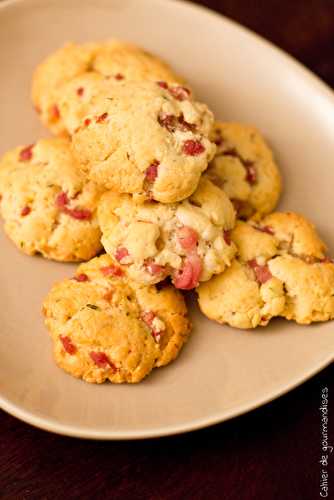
pixel 129 328
pixel 150 232
pixel 296 233
pixel 114 59
pixel 236 298
pixel 31 179
pixel 244 166
pixel 281 270
pixel 140 138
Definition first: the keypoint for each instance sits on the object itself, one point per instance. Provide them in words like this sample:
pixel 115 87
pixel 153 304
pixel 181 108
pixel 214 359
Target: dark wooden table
pixel 271 453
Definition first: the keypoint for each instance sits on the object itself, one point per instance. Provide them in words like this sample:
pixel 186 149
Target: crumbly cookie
pixel 189 241
pixel 113 59
pixel 47 204
pixel 146 138
pixel 245 168
pixel 106 327
pixel 75 100
pixel 281 270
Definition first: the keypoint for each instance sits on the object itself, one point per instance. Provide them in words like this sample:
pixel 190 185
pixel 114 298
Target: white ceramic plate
pixel 222 372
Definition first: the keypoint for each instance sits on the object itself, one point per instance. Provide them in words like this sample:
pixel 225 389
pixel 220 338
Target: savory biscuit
pixel 189 240
pixel 74 101
pixel 149 139
pixel 47 205
pixel 113 59
pixel 281 270
pixel 245 168
pixel 106 327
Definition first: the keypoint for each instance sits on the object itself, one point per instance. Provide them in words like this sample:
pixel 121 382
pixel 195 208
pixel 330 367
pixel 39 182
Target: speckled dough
pixel 113 59
pixel 47 205
pixel 74 102
pixel 188 240
pixel 106 327
pixel 146 139
pixel 245 168
pixel 281 270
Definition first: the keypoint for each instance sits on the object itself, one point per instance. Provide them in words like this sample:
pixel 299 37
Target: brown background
pixel 271 453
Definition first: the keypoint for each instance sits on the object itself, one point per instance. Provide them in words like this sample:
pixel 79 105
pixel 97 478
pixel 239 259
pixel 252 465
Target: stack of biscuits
pixel 156 198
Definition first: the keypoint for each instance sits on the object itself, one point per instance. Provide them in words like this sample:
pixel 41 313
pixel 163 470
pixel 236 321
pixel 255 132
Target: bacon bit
pixel 184 277
pixel 112 270
pixel 167 121
pixel 26 153
pixel 192 148
pixel 121 252
pixel 251 176
pixel 67 344
pixel 77 213
pixel 54 112
pixel 154 268
pixel 25 211
pixel 80 91
pixel 151 172
pixel 62 200
pixel 262 273
pixel 81 214
pixel 81 277
pixel 173 122
pixel 163 85
pixel 264 229
pixel 101 360
pixel 186 126
pixel 148 318
pixel 101 118
pixel 180 93
pixel 87 122
pixel 327 260
pixel 187 277
pixel 227 237
pixel 187 237
pixel 119 76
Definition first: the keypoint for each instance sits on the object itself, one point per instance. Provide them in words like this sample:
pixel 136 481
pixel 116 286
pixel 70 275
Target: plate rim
pixel 173 430
pixel 51 425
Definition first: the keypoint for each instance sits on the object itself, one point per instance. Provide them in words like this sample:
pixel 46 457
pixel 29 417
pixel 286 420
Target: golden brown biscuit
pixel 148 139
pixel 189 240
pixel 47 204
pixel 106 327
pixel 281 270
pixel 245 168
pixel 116 60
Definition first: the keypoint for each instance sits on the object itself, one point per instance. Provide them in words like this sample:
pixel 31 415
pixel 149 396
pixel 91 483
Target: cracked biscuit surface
pixel 281 270
pixel 189 240
pixel 116 60
pixel 245 168
pixel 47 205
pixel 145 138
pixel 107 327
